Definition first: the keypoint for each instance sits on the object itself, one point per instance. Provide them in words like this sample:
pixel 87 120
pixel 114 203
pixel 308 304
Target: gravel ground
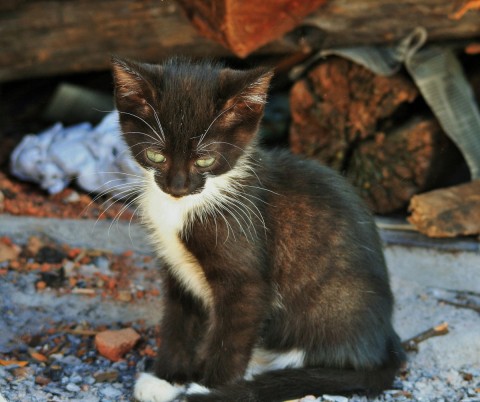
pixel 59 324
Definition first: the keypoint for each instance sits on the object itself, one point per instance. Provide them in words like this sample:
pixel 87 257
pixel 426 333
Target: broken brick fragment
pixel 113 344
pixel 8 251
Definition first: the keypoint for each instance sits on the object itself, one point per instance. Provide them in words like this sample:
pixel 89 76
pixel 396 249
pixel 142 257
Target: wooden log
pixel 448 212
pixel 244 26
pixel 46 37
pixel 399 163
pixel 340 103
pixel 360 124
pixel 360 22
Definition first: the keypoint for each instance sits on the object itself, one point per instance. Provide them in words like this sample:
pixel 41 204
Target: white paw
pixel 149 388
pixel 194 388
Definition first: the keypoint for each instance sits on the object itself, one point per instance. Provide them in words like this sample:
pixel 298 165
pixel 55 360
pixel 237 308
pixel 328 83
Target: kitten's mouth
pixel 178 195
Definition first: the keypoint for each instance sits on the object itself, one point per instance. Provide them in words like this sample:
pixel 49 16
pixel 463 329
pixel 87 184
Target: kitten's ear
pixel 246 92
pixel 132 88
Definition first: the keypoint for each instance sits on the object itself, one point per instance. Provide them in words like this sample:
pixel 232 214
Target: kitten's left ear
pixel 248 90
pixel 132 87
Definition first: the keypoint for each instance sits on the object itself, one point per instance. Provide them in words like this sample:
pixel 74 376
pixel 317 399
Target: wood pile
pixel 371 128
pixel 47 37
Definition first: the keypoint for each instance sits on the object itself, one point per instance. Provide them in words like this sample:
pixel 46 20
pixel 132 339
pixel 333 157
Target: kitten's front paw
pixel 149 388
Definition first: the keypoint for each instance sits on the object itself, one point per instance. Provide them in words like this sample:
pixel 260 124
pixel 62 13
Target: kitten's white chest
pixel 167 217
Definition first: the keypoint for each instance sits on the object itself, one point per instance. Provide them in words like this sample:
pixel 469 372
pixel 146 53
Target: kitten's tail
pixel 286 384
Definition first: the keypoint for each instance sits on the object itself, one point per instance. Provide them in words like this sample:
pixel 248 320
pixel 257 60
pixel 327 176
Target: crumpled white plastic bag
pixel 95 157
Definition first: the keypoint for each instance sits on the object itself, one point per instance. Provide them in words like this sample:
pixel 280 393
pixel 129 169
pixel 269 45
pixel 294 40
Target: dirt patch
pixel 26 199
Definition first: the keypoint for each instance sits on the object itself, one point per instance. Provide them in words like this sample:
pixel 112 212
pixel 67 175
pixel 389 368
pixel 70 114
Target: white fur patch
pixel 194 388
pixel 263 360
pixel 149 388
pixel 169 217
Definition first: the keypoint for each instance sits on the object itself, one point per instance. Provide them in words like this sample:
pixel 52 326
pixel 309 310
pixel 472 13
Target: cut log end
pixel 245 26
pixel 448 212
pixel 364 126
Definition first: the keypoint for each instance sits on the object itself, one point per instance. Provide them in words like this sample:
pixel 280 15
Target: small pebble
pixel 103 264
pixel 8 251
pixel 33 246
pixel 110 392
pixel 41 380
pixel 124 295
pixel 69 268
pixel 73 387
pixel 72 197
pixel 22 372
pixel 76 379
pixel 108 376
pixel 335 398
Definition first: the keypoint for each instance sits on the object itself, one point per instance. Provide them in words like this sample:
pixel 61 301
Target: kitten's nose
pixel 178 186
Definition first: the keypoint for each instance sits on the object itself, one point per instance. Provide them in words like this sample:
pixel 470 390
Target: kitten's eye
pixel 207 162
pixel 155 156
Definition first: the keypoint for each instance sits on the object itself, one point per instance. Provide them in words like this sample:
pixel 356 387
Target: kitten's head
pixel 188 122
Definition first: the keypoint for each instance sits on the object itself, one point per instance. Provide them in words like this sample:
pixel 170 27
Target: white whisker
pixel 157 120
pixel 120 197
pixel 262 188
pixel 213 121
pixel 121 212
pixel 107 192
pixel 145 122
pixel 155 140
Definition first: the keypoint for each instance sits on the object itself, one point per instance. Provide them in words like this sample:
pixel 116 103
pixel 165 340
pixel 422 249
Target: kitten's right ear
pixel 132 88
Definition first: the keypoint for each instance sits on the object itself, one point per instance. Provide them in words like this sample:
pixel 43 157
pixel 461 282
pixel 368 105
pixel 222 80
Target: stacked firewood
pixel 373 129
pixel 380 134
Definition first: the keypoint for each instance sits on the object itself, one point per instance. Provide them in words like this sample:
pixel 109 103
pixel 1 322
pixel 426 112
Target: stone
pixel 110 392
pixel 113 344
pixel 124 295
pixel 41 380
pixel 335 398
pixel 33 246
pixel 8 252
pixel 73 387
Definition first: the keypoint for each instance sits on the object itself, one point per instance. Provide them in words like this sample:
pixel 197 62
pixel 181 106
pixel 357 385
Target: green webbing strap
pixel 440 79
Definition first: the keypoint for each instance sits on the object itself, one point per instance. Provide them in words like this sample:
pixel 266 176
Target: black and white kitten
pixel 275 281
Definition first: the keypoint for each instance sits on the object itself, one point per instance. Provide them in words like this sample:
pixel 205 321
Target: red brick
pixel 113 344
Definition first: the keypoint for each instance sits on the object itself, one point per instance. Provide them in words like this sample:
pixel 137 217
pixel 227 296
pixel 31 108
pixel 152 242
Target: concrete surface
pixel 419 276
